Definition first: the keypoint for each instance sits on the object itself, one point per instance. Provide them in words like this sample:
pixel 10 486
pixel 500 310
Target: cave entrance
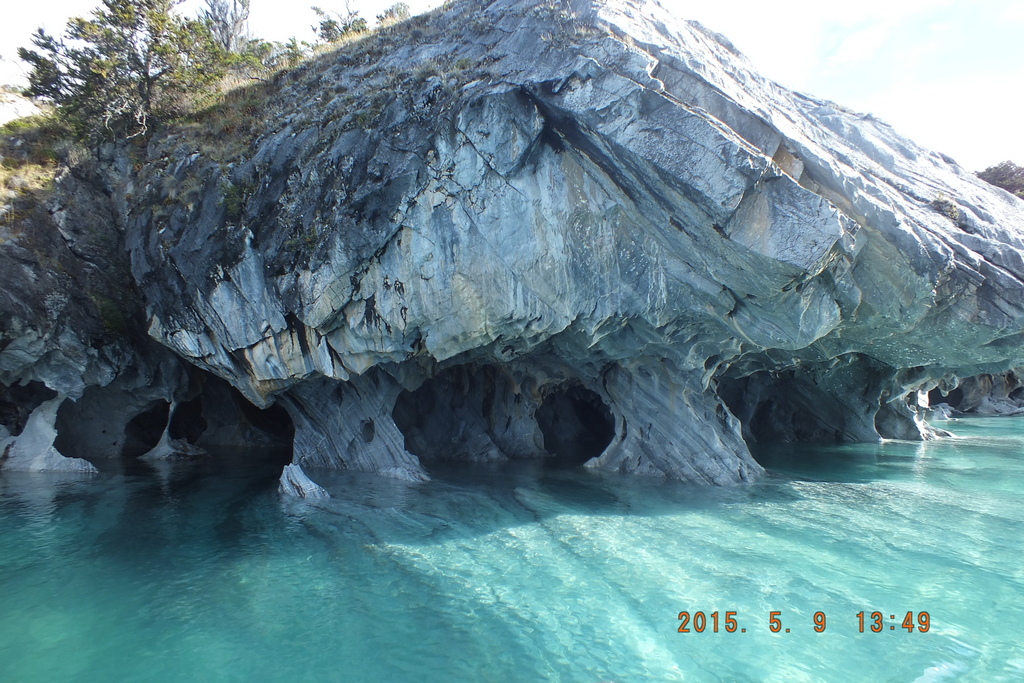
pixel 477 413
pixel 953 399
pixel 577 425
pixel 17 402
pixel 188 421
pixel 468 412
pixel 228 419
pixel 143 431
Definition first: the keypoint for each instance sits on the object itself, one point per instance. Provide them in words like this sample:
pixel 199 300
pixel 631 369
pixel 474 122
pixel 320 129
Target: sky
pixel 949 74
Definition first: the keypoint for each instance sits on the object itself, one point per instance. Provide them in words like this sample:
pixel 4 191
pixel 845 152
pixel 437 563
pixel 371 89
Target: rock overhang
pixel 615 193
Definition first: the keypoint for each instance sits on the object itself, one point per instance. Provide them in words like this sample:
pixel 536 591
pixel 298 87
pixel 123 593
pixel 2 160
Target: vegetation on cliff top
pixel 136 63
pixel 130 62
pixel 134 66
pixel 1006 175
pixel 31 152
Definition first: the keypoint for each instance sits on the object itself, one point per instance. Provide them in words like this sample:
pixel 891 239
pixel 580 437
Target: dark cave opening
pixel 954 398
pixel 220 421
pixel 274 421
pixel 143 431
pixel 764 421
pixel 416 416
pixel 188 422
pixel 481 413
pixel 576 423
pixel 842 401
pixel 116 422
pixel 466 412
pixel 17 402
pixel 773 408
pixel 219 416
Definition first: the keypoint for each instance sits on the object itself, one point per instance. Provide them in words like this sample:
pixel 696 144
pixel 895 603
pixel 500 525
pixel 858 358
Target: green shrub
pixel 1006 175
pixel 395 13
pixel 234 199
pixel 946 207
pixel 30 149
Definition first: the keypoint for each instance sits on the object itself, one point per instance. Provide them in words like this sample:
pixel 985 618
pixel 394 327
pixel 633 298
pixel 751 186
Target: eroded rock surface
pixel 74 368
pixel 294 482
pixel 32 450
pixel 576 195
pixel 80 380
pixel 488 229
pixel 999 394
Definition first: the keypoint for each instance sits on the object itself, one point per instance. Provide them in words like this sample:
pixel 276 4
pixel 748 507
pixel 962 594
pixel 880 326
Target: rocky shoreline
pixel 589 232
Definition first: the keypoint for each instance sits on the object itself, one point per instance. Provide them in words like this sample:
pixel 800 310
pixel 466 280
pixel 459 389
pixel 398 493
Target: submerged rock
pixel 294 482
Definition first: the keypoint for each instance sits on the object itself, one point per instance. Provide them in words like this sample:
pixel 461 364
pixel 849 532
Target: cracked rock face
pixel 497 227
pixel 78 377
pixel 72 374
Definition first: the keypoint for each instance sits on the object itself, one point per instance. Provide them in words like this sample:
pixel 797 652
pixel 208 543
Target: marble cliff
pixel 583 231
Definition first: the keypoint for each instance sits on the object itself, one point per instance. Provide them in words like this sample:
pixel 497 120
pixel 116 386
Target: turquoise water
pixel 201 573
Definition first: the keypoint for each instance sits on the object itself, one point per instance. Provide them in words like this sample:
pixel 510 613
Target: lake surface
pixel 517 573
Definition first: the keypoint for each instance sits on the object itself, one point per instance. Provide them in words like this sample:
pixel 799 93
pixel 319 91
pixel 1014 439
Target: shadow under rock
pixel 479 498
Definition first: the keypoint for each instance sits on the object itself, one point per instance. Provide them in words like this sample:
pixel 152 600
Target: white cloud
pixel 862 45
pixel 1014 13
pixel 974 120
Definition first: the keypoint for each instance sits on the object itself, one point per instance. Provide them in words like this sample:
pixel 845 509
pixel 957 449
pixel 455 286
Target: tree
pixel 331 28
pixel 1006 175
pixel 228 22
pixel 131 62
pixel 293 52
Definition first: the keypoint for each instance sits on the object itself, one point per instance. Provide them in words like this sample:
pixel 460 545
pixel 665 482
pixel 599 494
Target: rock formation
pixel 80 381
pixel 985 394
pixel 295 483
pixel 590 232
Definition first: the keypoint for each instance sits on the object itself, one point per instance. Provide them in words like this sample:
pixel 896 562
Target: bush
pixel 1006 175
pixel 332 29
pixel 395 13
pixel 30 148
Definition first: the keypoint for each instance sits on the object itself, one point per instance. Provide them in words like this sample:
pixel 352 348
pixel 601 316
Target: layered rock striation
pixel 81 382
pixel 584 232
pixel 985 394
pixel 570 195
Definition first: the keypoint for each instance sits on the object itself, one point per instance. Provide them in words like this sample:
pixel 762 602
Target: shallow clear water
pixel 521 574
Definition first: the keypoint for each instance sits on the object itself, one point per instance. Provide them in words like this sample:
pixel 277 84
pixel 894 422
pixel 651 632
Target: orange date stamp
pixel 872 622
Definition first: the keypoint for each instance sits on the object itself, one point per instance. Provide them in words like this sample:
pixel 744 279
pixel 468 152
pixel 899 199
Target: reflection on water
pixel 520 573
